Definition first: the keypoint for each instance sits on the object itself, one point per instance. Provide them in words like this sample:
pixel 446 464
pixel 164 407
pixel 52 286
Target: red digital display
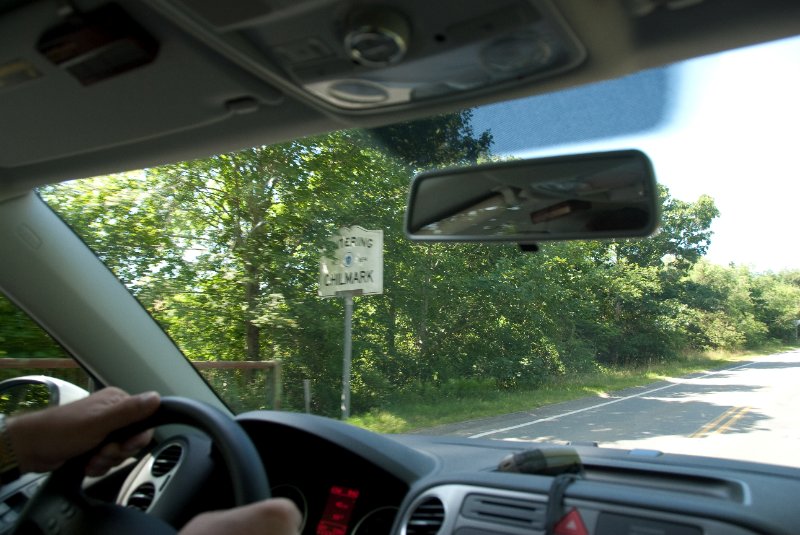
pixel 336 516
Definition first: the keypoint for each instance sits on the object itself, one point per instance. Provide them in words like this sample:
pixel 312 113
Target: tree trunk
pixel 422 329
pixel 251 293
pixel 391 332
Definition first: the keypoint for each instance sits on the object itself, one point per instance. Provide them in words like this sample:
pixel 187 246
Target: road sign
pixel 356 266
pixel 355 269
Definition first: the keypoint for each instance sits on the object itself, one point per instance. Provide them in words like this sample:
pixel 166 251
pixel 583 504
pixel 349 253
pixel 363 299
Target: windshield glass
pixel 679 342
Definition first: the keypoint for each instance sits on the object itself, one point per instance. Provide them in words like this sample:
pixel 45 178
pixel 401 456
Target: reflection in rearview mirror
pixel 588 196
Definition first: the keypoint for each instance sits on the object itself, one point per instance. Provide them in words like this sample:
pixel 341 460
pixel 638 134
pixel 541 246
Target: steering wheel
pixel 61 507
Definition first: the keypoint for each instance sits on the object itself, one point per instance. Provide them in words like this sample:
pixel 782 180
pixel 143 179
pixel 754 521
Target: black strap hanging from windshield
pixel 555 500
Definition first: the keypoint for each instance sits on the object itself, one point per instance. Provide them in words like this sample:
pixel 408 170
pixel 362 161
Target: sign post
pixel 348 355
pixel 355 269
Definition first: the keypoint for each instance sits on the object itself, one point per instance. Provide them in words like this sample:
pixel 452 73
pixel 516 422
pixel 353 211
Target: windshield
pixel 680 342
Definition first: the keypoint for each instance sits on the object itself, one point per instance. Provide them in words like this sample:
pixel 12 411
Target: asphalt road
pixel 748 411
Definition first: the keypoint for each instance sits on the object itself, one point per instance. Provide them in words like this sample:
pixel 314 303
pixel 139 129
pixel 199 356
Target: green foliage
pixel 477 399
pixel 683 237
pixel 23 398
pixel 434 141
pixel 22 338
pixel 725 299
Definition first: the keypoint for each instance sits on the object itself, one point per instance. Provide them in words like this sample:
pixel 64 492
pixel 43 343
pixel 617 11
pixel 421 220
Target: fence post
pixel 307 394
pixel 276 382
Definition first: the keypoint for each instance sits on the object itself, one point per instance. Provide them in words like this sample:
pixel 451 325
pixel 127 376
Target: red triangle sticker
pixel 571 524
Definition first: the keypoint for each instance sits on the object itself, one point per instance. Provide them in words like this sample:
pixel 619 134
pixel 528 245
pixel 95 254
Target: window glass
pixel 26 349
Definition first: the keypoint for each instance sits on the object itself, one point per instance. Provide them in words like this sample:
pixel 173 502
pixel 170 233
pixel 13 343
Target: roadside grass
pixel 410 415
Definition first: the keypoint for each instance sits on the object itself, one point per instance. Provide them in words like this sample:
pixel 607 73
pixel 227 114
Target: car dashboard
pixel 340 485
pixel 349 481
pixel 417 485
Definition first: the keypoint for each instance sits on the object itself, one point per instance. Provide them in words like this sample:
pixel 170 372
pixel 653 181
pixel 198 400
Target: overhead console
pixel 373 55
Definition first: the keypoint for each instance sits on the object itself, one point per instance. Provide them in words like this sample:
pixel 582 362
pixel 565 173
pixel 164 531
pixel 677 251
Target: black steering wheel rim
pixel 60 505
pixel 234 445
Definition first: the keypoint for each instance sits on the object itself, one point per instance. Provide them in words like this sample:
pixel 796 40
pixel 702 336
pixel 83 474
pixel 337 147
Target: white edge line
pixel 577 411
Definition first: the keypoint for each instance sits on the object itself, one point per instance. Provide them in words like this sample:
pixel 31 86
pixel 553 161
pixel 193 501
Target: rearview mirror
pixel 587 196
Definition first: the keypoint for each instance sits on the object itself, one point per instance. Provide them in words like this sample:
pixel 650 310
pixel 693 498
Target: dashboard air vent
pixel 142 497
pixel 508 511
pixel 166 460
pixel 427 518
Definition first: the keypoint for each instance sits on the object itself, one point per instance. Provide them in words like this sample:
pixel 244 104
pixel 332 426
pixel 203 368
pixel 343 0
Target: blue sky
pixel 726 125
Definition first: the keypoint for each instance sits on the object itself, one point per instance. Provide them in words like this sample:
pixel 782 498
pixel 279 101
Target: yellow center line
pixel 721 422
pixel 732 420
pixel 713 423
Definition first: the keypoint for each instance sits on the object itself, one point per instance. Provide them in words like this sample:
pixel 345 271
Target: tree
pixel 434 141
pixel 728 315
pixel 682 238
pixel 125 224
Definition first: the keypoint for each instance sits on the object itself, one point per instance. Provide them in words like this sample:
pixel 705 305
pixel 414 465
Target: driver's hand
pixel 277 516
pixel 44 440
